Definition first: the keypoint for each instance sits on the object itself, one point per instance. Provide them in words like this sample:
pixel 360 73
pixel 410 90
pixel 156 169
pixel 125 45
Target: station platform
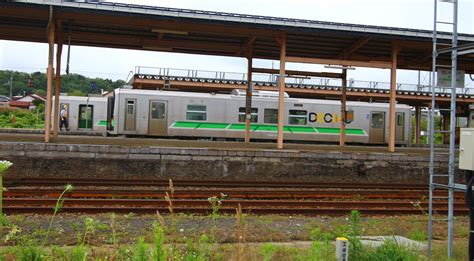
pixel 148 158
pixel 76 138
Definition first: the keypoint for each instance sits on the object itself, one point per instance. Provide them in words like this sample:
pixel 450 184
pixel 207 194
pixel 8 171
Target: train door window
pixel 400 119
pixel 196 113
pixel 130 115
pixel 157 110
pixel 298 117
pixel 399 129
pixel 270 116
pixel 85 116
pixel 378 121
pixel 253 115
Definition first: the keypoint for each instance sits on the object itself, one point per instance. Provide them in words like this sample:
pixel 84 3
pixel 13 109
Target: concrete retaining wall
pixel 103 161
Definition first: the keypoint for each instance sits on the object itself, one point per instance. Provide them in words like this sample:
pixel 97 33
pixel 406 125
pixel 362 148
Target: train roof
pixel 266 97
pixel 83 98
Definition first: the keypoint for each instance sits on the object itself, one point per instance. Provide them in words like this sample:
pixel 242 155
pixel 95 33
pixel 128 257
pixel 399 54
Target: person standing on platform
pixel 63 120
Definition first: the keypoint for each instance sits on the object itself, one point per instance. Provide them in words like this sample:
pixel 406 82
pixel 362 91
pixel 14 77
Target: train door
pixel 377 127
pixel 130 113
pixel 86 114
pixel 61 107
pixel 400 127
pixel 157 119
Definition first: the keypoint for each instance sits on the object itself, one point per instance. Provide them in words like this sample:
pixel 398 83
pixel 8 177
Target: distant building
pixel 26 102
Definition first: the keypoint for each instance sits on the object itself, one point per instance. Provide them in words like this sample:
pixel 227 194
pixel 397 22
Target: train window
pixel 196 113
pixel 400 119
pixel 130 106
pixel 253 115
pixel 298 117
pixel 270 116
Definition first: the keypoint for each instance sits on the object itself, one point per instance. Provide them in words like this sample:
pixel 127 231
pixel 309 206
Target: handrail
pixel 273 78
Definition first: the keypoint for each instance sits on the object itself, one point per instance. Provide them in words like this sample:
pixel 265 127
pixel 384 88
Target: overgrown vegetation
pixel 73 84
pixel 166 241
pixel 438 137
pixel 19 118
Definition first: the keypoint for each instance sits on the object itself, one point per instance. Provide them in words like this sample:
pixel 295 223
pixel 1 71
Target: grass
pixel 199 238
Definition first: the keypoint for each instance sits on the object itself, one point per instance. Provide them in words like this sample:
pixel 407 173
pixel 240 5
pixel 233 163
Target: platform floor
pixel 154 142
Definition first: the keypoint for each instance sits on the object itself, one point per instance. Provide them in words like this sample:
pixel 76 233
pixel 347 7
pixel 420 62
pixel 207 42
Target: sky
pixel 117 64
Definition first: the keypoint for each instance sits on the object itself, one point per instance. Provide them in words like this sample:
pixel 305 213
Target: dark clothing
pixel 64 123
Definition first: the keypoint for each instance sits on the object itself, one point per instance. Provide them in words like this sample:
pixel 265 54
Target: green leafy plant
pixel 216 202
pixel 390 250
pixel 4 166
pixel 268 250
pixel 78 253
pixel 357 250
pixel 57 207
pixel 90 226
pixel 159 252
pixel 141 250
pixel 31 253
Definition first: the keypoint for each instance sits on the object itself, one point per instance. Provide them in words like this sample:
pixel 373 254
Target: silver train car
pixel 85 114
pixel 185 114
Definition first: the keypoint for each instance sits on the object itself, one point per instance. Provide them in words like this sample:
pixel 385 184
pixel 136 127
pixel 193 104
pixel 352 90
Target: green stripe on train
pixel 104 123
pixel 262 127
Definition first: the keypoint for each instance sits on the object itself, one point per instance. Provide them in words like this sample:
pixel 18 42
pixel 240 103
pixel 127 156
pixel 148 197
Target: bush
pixel 390 250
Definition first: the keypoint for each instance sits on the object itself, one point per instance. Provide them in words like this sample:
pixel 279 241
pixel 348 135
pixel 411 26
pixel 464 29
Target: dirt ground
pixel 67 229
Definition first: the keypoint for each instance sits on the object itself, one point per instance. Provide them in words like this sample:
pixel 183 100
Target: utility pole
pixel 11 85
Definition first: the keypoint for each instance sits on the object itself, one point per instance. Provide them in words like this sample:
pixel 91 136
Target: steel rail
pixel 203 183
pixel 249 194
pixel 226 203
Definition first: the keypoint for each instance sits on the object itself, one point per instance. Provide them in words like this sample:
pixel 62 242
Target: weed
pixel 241 232
pixel 321 247
pixel 216 203
pixel 141 250
pixel 14 230
pixel 390 250
pixel 90 227
pixel 172 227
pixel 58 253
pixel 418 235
pixel 31 253
pixel 159 252
pixel 112 228
pixel 57 207
pixel 78 253
pixel 4 166
pixel 357 250
pixel 267 251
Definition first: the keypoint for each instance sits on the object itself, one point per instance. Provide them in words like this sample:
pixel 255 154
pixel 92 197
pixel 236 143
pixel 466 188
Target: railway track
pixel 242 194
pixel 147 206
pixel 203 183
pixel 146 196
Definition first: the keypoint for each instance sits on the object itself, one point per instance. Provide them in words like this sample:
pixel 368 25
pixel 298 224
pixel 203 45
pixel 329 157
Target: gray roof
pixel 212 16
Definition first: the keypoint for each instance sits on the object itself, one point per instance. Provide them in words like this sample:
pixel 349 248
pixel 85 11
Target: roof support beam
pixel 281 90
pixel 369 64
pixel 393 96
pixel 248 95
pixel 49 88
pixel 57 85
pixel 354 47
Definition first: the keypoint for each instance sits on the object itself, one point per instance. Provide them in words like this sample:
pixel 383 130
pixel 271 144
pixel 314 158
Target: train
pixel 166 113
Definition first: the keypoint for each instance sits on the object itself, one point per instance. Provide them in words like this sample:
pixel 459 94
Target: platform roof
pixel 113 25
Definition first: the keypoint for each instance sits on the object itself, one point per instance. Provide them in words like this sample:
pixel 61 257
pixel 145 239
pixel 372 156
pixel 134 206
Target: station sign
pixel 444 78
